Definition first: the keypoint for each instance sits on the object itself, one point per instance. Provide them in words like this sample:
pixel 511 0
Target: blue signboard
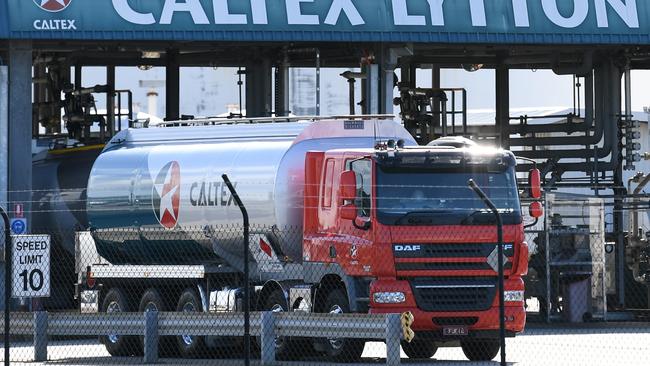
pixel 18 226
pixel 456 21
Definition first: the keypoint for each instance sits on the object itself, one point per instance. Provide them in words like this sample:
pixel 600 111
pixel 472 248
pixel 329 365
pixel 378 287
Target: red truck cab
pixel 408 234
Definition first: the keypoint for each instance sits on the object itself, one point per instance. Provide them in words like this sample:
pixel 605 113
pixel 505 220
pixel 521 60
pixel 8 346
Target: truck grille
pixel 454 294
pixel 448 257
pixel 463 250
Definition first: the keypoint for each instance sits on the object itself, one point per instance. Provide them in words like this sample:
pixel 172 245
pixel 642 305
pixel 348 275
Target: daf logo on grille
pixel 407 248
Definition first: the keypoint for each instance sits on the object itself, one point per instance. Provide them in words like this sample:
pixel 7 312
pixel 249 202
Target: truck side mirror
pixel 348 186
pixel 535 182
pixel 348 212
pixel 536 210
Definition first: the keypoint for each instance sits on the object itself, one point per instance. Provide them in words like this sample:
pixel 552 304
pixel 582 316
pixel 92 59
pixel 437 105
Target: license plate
pixel 454 331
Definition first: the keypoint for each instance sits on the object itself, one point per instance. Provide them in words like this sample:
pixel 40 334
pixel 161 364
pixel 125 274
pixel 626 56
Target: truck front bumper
pixel 482 323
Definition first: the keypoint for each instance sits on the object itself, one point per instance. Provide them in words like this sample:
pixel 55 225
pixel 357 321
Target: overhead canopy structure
pixel 457 21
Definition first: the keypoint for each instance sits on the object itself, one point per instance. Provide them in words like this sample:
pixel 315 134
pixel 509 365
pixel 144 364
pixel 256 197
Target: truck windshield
pixel 426 197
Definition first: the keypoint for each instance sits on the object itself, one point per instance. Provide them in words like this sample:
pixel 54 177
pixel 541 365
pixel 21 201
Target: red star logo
pixel 52 5
pixel 168 188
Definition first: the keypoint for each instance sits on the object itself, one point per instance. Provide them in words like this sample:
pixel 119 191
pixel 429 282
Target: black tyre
pixel 190 346
pixel 419 348
pixel 116 301
pixel 151 300
pixel 481 349
pixel 341 349
pixel 285 347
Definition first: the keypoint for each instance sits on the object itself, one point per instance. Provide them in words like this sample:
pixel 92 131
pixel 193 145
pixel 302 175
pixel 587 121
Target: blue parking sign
pixel 18 226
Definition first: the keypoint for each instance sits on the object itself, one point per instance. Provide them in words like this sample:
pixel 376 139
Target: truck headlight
pixel 513 296
pixel 389 297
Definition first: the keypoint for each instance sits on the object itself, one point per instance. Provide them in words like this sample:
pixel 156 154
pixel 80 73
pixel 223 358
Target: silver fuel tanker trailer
pixel 166 234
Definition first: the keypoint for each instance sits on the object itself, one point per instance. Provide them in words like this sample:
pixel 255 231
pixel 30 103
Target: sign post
pixel 7 297
pixel 31 263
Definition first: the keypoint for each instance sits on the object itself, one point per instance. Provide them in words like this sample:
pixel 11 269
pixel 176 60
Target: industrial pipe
pixel 568 127
pixel 606 84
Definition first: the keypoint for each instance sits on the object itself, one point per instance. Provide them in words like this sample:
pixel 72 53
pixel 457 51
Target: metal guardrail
pixel 266 325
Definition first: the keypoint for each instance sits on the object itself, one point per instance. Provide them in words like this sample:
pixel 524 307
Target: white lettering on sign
pixel 258 8
pixel 55 24
pixel 190 6
pixel 31 263
pixel 346 7
pixel 520 12
pixel 580 11
pixel 477 8
pixel 127 13
pixel 295 15
pixel 223 16
pixel 573 16
pixel 627 11
pixel 437 14
pixel 401 15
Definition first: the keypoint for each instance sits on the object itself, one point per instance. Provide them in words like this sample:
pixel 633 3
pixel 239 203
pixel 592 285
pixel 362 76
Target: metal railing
pixel 232 121
pixel 266 325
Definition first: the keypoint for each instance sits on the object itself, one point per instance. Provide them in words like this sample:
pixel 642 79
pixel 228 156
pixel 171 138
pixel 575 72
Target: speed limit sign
pixel 31 266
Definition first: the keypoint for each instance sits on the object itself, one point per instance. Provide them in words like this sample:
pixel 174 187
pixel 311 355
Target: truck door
pixel 356 243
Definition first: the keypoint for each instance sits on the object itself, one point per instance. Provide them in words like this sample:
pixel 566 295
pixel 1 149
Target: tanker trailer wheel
pixel 189 346
pixel 341 349
pixel 116 301
pixel 419 348
pixel 151 300
pixel 481 349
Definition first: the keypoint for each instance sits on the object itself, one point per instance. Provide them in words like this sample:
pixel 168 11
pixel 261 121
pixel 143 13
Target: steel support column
pixel 110 101
pixel 20 126
pixel 4 161
pixel 40 91
pixel 612 110
pixel 503 104
pixel 4 131
pixel 371 97
pixel 259 88
pixel 282 87
pixel 172 86
pixel 435 84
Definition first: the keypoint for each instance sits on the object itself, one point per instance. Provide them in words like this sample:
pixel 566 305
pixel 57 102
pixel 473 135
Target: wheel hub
pixel 336 343
pixel 113 307
pixel 188 339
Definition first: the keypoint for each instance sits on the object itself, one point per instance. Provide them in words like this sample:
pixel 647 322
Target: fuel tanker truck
pixel 347 215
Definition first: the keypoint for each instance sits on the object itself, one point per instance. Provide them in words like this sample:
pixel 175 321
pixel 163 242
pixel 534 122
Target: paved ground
pixel 605 345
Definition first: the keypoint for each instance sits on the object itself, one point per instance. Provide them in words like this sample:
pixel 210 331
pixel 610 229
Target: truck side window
pixel 362 169
pixel 327 187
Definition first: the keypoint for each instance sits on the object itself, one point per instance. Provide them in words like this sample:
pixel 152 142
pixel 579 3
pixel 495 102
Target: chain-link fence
pixel 338 289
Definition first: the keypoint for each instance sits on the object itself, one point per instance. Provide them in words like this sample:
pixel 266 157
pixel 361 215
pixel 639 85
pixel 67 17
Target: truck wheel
pixel 151 300
pixel 188 345
pixel 116 301
pixel 341 349
pixel 481 349
pixel 419 348
pixel 285 348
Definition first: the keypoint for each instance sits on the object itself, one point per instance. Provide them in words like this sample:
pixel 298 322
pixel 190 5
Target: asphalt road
pixel 605 345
